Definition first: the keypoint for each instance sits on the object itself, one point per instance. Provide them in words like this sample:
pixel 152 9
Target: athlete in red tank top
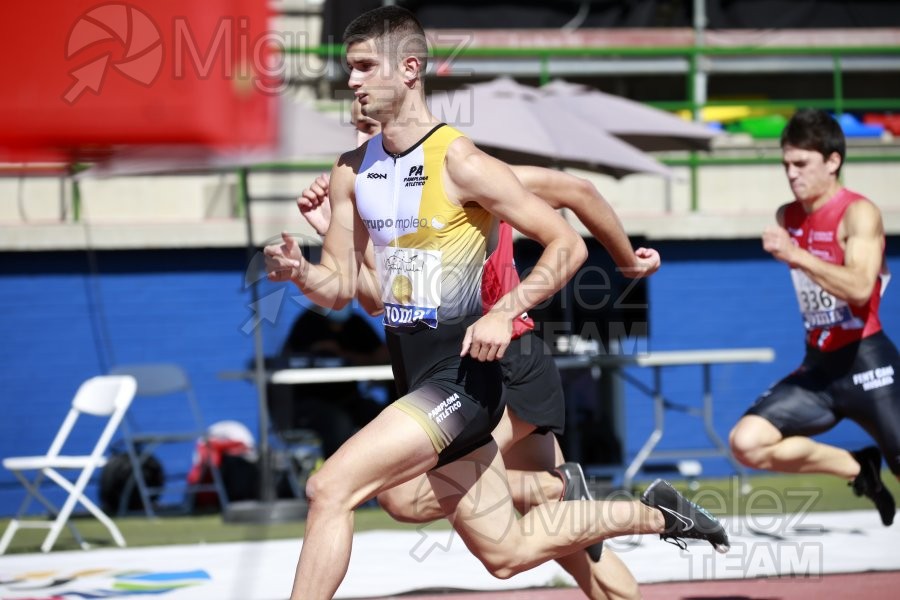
pixel 831 322
pixel 834 243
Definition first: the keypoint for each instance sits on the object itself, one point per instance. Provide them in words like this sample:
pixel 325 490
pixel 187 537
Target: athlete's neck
pixel 813 204
pixel 409 125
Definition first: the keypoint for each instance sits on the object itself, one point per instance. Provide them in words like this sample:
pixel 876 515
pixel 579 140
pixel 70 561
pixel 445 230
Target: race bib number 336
pixel 819 307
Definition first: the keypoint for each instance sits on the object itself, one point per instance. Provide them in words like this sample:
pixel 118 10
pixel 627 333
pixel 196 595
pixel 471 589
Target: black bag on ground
pixel 117 475
pixel 240 478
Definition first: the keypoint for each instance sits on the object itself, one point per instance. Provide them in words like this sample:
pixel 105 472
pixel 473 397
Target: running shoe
pixel 684 519
pixel 575 488
pixel 868 483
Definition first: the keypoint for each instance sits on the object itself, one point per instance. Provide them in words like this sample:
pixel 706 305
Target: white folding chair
pixel 159 380
pixel 102 396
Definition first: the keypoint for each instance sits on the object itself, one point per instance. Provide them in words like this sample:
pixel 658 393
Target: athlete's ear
pixel 411 68
pixel 833 163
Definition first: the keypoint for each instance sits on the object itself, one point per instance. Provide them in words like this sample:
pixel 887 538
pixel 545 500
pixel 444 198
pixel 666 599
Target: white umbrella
pixel 519 124
pixel 640 125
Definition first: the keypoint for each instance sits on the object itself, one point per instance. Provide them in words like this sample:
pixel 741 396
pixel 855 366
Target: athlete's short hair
pixel 816 130
pixel 396 28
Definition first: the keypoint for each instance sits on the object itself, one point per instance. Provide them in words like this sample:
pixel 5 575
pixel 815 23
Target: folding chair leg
pixel 76 494
pixel 32 493
pixel 219 484
pixel 137 478
pixel 8 535
pixel 82 543
pixel 32 489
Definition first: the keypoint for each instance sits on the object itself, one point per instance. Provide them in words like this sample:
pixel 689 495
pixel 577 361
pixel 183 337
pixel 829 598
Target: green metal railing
pixel 693 56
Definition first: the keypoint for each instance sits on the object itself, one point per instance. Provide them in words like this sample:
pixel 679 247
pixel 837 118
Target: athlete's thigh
pixel 527 463
pixel 458 416
pixel 416 501
pixel 799 404
pixel 510 432
pixel 392 448
pixel 535 452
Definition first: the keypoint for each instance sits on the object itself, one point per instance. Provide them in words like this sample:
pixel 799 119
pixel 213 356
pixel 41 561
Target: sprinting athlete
pixel 833 241
pixel 427 199
pixel 532 387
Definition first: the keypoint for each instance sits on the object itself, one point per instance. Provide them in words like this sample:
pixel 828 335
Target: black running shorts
pixel 857 382
pixel 532 388
pixel 457 401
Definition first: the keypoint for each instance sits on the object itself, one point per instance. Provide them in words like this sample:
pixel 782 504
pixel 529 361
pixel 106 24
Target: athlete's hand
pixel 284 261
pixel 314 204
pixel 777 242
pixel 646 263
pixel 488 337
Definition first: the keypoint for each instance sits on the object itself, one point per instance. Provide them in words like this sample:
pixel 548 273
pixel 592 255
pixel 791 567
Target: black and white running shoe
pixel 684 519
pixel 575 488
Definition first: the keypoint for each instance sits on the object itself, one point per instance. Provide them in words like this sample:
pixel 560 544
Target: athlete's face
pixel 376 82
pixel 809 174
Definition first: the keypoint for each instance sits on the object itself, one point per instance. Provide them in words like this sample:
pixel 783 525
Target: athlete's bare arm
pixel 314 204
pixel 367 291
pixel 862 235
pixel 473 176
pixel 564 190
pixel 332 282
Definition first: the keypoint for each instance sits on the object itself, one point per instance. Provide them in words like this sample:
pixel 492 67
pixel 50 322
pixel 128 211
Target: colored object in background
pixel 852 127
pixel 762 127
pixel 890 122
pixel 84 79
pixel 99 405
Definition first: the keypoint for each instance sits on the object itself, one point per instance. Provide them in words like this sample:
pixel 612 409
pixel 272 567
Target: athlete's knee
pixel 747 445
pixel 503 560
pixel 745 450
pixel 499 567
pixel 316 489
pixel 325 491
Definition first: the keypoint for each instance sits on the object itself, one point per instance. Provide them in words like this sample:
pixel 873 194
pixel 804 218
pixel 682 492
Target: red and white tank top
pixel 830 322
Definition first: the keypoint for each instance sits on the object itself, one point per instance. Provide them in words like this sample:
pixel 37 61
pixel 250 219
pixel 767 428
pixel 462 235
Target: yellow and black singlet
pixel 429 252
